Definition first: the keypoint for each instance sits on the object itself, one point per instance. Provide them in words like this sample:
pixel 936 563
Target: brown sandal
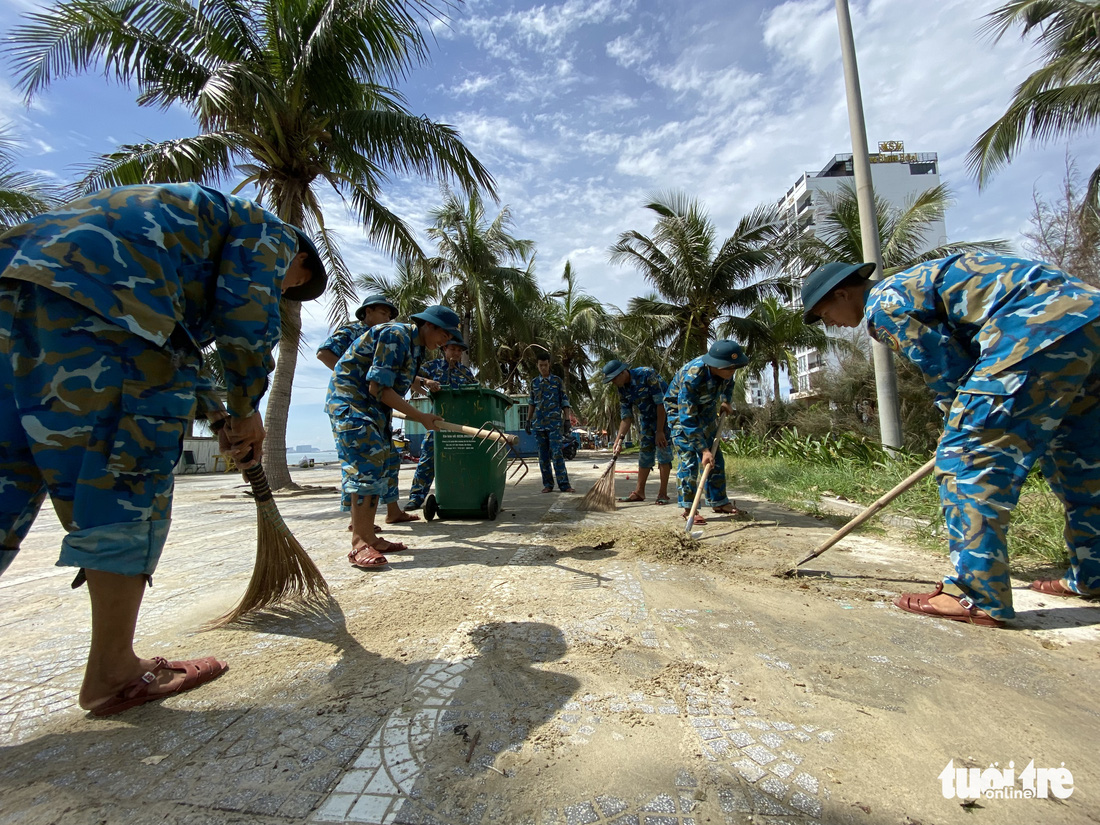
pixel 139 691
pixel 370 562
pixel 920 603
pixel 727 510
pixel 1053 587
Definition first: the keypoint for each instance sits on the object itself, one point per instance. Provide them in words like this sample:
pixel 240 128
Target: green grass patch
pixel 1037 523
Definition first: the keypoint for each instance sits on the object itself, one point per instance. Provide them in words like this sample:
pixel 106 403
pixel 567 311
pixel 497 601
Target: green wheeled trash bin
pixel 470 472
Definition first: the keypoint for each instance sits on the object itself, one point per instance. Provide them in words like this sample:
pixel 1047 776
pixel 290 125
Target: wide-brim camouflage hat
pixel 376 300
pixel 725 354
pixel 318 278
pixel 612 369
pixel 443 317
pixel 824 280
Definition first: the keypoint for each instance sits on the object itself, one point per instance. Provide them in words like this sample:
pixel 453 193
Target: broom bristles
pixel 601 498
pixel 283 572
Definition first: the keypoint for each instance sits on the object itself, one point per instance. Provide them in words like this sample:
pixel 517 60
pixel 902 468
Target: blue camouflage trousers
pixel 550 443
pixel 425 471
pixel 649 454
pixel 368 462
pixel 94 416
pixel 991 442
pixel 392 471
pixel 687 472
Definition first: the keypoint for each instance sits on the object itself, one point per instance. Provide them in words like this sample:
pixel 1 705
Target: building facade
pixel 897 177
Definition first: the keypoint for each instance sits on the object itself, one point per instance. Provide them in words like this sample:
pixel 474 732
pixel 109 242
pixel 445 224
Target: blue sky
pixel 582 109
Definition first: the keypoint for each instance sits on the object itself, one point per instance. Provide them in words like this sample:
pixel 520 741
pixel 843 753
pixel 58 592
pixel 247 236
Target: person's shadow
pixel 463 712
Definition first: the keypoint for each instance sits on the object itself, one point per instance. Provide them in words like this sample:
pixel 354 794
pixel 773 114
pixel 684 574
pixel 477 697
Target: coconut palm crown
pixel 286 94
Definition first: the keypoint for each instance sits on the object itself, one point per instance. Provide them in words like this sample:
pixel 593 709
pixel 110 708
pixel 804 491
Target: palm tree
pixel 600 411
pixel 699 282
pixel 772 335
pixel 412 288
pixel 903 232
pixel 22 194
pixel 575 324
pixel 293 94
pixel 1061 97
pixel 475 273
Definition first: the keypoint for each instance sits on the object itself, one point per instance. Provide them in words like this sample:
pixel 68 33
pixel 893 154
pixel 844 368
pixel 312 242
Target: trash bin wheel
pixel 492 507
pixel 430 507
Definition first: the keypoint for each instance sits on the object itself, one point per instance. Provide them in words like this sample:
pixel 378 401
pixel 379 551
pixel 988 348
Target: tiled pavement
pixel 540 702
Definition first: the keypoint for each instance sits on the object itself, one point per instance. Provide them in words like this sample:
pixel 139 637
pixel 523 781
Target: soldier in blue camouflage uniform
pixel 105 305
pixel 548 403
pixel 369 382
pixel 448 371
pixel 375 309
pixel 643 387
pixel 1012 351
pixel 700 392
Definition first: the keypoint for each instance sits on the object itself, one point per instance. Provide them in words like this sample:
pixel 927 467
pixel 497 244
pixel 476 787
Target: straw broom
pixel 601 498
pixel 283 572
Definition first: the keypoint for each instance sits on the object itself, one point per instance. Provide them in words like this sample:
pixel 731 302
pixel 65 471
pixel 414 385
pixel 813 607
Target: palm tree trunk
pixel 775 379
pixel 278 399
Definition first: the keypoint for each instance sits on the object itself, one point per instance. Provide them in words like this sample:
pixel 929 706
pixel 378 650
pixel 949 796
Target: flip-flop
pixel 920 603
pixel 548 489
pixel 632 497
pixel 697 520
pixel 732 511
pixel 137 692
pixel 662 500
pixel 568 490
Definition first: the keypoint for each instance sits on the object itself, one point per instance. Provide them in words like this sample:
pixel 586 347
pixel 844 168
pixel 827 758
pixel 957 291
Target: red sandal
pixel 920 603
pixel 370 562
pixel 1054 587
pixel 138 691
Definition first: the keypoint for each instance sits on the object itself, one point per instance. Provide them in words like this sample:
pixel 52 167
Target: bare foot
pixel 402 516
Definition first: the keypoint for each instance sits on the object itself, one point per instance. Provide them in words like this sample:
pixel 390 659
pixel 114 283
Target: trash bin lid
pixel 474 390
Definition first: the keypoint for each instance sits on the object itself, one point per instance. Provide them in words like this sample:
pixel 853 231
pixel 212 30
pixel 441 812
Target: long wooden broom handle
pixel 703 479
pixel 474 431
pixel 886 498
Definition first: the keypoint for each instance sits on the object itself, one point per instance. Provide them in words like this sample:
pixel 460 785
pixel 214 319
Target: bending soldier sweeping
pixel 643 388
pixel 376 309
pixel 370 381
pixel 1012 351
pixel 105 306
pixel 700 392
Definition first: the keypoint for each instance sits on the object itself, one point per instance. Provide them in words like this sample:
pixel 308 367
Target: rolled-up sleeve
pixel 390 353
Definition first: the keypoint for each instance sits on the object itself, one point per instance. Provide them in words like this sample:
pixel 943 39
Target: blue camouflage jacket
pixel 456 376
pixel 386 353
pixel 972 318
pixel 645 390
pixel 343 338
pixel 176 261
pixel 693 400
pixel 548 399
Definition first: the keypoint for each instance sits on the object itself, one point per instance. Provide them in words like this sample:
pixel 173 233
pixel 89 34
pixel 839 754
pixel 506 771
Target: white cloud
pixel 473 85
pixel 633 49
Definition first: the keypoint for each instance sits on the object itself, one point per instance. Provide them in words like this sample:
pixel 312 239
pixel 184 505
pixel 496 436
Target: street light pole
pixel 886 381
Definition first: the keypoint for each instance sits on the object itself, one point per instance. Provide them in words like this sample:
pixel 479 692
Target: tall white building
pixel 755 396
pixel 897 176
